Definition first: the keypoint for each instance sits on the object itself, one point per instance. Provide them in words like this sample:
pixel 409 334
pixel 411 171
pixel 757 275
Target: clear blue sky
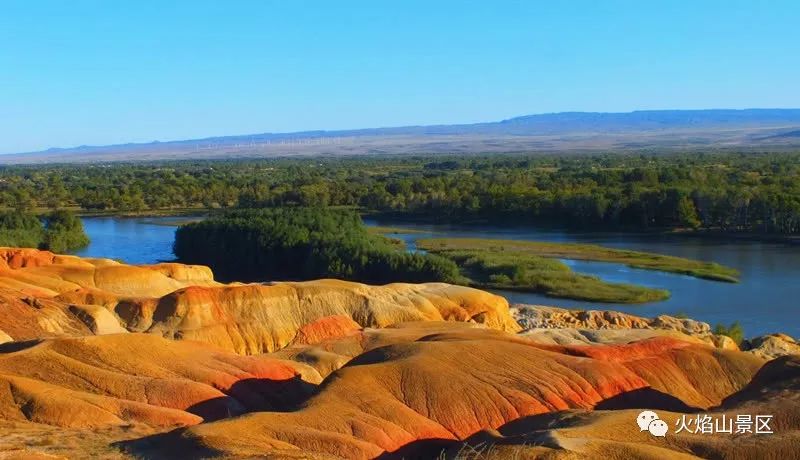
pixel 99 72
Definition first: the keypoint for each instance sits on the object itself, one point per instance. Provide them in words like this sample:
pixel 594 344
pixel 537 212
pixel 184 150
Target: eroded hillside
pixel 162 361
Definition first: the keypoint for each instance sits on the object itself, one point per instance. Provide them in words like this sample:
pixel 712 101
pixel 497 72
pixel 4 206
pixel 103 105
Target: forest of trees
pixel 59 231
pixel 731 192
pixel 301 244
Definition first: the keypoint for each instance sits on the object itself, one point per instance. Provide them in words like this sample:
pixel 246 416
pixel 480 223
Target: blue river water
pixel 766 300
pixel 130 240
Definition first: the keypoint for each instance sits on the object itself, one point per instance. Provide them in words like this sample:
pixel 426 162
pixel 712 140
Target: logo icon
pixel 649 421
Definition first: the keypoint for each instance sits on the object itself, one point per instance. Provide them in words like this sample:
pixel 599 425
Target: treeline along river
pixel 766 300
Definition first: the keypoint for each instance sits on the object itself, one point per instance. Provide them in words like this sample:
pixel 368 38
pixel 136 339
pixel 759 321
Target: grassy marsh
pixel 589 252
pixel 381 230
pixel 534 267
pixel 526 272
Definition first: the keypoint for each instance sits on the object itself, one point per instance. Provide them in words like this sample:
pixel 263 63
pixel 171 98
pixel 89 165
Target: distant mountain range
pixel 553 132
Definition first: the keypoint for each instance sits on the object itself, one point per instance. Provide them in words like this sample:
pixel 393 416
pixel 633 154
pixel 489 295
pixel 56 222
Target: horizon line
pixel 308 131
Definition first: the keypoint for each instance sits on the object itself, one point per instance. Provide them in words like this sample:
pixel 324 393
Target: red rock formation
pixel 451 386
pixel 115 379
pixel 326 328
pixel 774 391
pixel 15 258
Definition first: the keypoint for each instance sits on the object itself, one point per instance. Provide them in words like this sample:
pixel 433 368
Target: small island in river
pixel 534 266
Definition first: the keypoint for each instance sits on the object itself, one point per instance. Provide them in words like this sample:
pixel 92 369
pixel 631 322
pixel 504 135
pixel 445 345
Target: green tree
pixel 63 231
pixel 687 213
pixel 302 243
pixel 23 201
pixel 21 230
pixel 734 331
pixel 55 194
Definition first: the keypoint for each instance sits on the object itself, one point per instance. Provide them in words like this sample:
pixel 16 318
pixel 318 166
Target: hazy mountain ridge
pixel 541 132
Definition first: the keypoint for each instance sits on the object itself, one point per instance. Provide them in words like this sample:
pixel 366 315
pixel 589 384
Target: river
pixel 766 300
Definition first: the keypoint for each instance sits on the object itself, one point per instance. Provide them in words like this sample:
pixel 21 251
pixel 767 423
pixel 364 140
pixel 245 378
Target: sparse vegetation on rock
pixel 734 331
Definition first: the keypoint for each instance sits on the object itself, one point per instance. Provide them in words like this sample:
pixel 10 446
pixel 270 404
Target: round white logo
pixel 649 421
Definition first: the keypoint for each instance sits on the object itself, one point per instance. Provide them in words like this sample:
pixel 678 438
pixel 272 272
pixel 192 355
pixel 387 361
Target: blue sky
pixel 100 72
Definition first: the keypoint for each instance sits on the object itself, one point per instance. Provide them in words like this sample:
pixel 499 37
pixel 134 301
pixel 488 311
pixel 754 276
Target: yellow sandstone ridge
pixel 67 296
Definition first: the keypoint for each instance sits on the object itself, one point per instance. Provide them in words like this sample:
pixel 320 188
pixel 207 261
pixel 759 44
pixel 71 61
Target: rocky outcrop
pixel 44 274
pixel 564 326
pixel 574 327
pixel 193 274
pixel 25 317
pixel 603 336
pixel 51 296
pixel 772 346
pixel 537 316
pixel 250 319
pixel 99 320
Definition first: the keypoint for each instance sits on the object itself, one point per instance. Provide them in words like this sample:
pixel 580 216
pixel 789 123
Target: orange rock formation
pixel 93 351
pixel 50 295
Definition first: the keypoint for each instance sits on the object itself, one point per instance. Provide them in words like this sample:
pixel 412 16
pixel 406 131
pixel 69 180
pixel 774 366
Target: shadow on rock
pixel 165 445
pixel 11 347
pixel 645 398
pixel 255 395
pixel 422 449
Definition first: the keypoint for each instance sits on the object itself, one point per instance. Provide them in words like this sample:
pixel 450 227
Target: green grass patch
pixel 395 242
pixel 497 269
pixel 380 230
pixel 634 259
pixel 176 222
